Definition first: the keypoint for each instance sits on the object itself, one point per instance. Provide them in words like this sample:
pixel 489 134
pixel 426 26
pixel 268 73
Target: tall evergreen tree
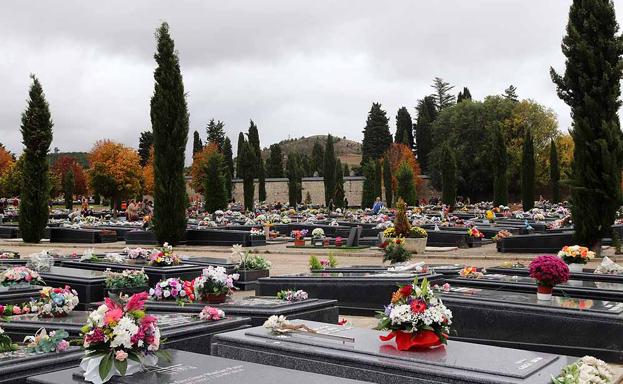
pixel 197 144
pixel 442 96
pixel 305 161
pixel 169 121
pixel 378 179
pixel 36 131
pixel 346 170
pixel 405 186
pixel 510 93
pixel 554 172
pixel 261 180
pixel 229 166
pixel 254 141
pixel 448 175
pixel 329 171
pixel 274 164
pixel 69 183
pixel 317 158
pixel 241 141
pixel 248 163
pixel 215 191
pixel 527 172
pixel 294 174
pixel 404 128
pixel 376 135
pixel 426 115
pixel 339 184
pixel 500 168
pixel 387 182
pixel 367 197
pixel 591 87
pixel 144 146
pixel 467 95
pixel 216 133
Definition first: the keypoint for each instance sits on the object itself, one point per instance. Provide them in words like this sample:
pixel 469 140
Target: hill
pixel 348 151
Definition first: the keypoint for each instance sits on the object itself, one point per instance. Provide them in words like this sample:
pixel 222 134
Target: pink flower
pixel 62 346
pixel 114 315
pixel 136 302
pixel 16 310
pixel 446 287
pixel 1 309
pixel 121 355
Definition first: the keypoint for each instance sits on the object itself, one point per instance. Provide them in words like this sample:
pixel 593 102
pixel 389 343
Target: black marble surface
pixel 586 274
pixel 17 366
pixel 18 293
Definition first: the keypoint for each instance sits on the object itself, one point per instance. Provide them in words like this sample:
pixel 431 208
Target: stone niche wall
pixel 277 189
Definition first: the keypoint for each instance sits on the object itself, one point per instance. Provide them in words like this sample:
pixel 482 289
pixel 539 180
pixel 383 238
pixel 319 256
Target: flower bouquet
pixel 17 309
pixel 6 344
pixel 9 255
pixel 474 232
pixel 137 253
pixel 214 285
pixel 292 296
pixel 503 234
pixel 416 318
pixel 42 342
pixel 164 257
pixel 318 236
pixel 119 339
pixel 211 314
pixel 20 275
pixel 548 271
pixel 128 281
pixel 169 289
pixel 471 273
pixel 576 256
pixel 587 370
pixel 256 232
pixel 57 302
pixel 394 251
pixel 299 237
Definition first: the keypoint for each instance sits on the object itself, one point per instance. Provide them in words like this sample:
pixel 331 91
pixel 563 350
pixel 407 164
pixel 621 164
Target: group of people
pixel 135 211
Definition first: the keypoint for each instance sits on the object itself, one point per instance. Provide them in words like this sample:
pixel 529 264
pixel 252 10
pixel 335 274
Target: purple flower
pixel 388 309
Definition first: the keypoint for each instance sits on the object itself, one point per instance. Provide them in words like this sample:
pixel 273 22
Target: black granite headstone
pixel 17 366
pixel 89 284
pixel 18 294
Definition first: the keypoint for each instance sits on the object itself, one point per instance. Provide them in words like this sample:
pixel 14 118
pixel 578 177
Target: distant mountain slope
pixel 348 151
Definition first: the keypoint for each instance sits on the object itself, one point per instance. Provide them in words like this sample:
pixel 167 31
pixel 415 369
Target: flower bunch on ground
pixel 164 257
pixel 292 295
pixel 42 342
pixel 474 232
pixel 587 370
pixel 127 279
pixel 471 273
pixel 576 254
pixel 214 281
pixel 20 275
pixel 211 314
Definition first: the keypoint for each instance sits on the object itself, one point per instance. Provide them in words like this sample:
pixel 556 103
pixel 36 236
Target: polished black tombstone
pixel 17 366
pixel 369 359
pixel 586 274
pixel 192 368
pixel 206 261
pixel 535 243
pixel 9 232
pixel 181 331
pixel 155 274
pixel 444 269
pixel 563 325
pixel 356 292
pixel 89 236
pixel 260 308
pixel 89 284
pixel 444 238
pixel 220 237
pixel 18 294
pixel 7 262
pixel 598 290
pixel 139 236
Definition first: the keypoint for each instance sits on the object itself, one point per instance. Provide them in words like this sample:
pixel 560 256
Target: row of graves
pixel 149 316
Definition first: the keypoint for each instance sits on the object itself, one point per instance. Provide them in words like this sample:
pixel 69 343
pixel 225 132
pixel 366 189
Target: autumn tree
pixel 396 155
pixel 63 165
pixel 199 166
pixel 6 160
pixel 69 183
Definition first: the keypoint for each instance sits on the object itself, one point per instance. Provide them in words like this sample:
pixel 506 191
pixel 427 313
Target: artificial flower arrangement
pixel 292 295
pixel 415 317
pixel 315 263
pixel 299 234
pixel 115 258
pixel 17 309
pixel 474 232
pixel 9 255
pixel 394 250
pixel 248 262
pixel 211 314
pixel 548 271
pixel 587 370
pixel 169 289
pixel 42 342
pixel 137 253
pixel 214 284
pixel 318 233
pixel 20 275
pixel 489 215
pixel 6 344
pixel 126 280
pixel 417 233
pixel 576 254
pixel 339 241
pixel 119 339
pixel 164 257
pixel 503 234
pixel 389 233
pixel 57 302
pixel 472 273
pixel 609 267
pixel 256 232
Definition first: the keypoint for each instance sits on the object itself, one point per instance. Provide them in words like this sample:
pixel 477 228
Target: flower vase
pixel 544 293
pixel 215 299
pixel 91 364
pixel 325 243
pixel 576 267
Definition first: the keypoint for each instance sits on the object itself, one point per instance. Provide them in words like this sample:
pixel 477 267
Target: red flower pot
pixel 299 243
pixel 544 293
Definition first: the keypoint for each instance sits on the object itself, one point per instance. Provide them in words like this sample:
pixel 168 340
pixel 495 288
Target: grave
pixel 9 232
pixel 535 243
pixel 17 366
pixel 89 284
pixel 444 269
pixel 443 238
pixel 18 294
pixel 181 331
pixel 206 261
pixel 369 359
pixel 192 368
pixel 138 236
pixel 586 274
pixel 356 292
pixel 87 236
pixel 219 237
pixel 563 325
pixel 260 308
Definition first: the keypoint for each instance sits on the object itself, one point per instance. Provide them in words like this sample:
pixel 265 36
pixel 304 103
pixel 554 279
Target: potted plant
pixel 249 267
pixel 299 237
pixel 214 285
pixel 318 237
pixel 394 251
pixel 548 271
pixel 416 318
pixel 576 257
pixel 413 238
pixel 126 282
pixel 169 289
pixel 338 241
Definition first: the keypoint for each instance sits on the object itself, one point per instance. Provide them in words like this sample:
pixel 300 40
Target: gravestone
pixel 17 366
pixel 18 294
pixel 89 236
pixel 535 243
pixel 139 236
pixel 191 368
pixel 89 284
pixel 369 359
pixel 586 274
pixel 181 331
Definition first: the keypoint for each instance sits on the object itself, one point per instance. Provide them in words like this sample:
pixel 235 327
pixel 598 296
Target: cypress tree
pixel 467 95
pixel 376 135
pixel 254 143
pixel 527 172
pixel 329 171
pixel 554 172
pixel 367 197
pixel 215 191
pixel 591 87
pixel 306 165
pixel 69 183
pixel 197 143
pixel 261 181
pixel 346 170
pixel 36 131
pixel 144 146
pixel 229 166
pixel 248 163
pixel 448 176
pixel 426 115
pixel 339 184
pixel 510 93
pixel 241 141
pixel 442 96
pixel 405 187
pixel 387 182
pixel 216 133
pixel 404 128
pixel 274 164
pixel 169 120
pixel 459 97
pixel 378 179
pixel 317 158
pixel 293 173
pixel 500 168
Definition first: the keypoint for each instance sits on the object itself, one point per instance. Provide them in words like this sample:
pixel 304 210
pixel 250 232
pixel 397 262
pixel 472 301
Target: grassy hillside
pixel 347 151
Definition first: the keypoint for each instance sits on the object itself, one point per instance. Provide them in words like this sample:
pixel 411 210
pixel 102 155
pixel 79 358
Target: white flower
pixel 401 314
pixel 275 323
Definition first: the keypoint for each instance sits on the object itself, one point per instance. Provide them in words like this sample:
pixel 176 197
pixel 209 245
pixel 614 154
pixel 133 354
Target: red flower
pixel 418 306
pixel 384 244
pixel 398 241
pixel 406 290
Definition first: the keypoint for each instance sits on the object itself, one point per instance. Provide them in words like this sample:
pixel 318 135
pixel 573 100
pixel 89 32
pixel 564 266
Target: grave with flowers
pixel 89 284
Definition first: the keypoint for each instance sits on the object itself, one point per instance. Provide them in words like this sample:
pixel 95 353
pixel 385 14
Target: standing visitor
pixel 378 204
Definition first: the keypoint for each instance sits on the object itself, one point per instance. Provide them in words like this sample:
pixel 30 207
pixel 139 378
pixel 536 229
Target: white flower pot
pixel 544 296
pixel 576 267
pixel 415 245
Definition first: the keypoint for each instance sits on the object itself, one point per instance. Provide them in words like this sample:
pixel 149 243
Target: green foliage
pixel 387 182
pixel 378 179
pixel 274 164
pixel 464 95
pixel 261 181
pixel 329 171
pixel 404 128
pixel 241 140
pixel 295 182
pixel 6 344
pixel 367 198
pixel 197 144
pixel 376 135
pixel 36 128
pixel 48 344
pixel 228 172
pixel 215 191
pixel 442 96
pixel 125 280
pixel 68 188
pixel 395 252
pixel 248 163
pixel 402 227
pixel 332 260
pixel 254 141
pixel 554 172
pixel 145 141
pixel 527 172
pixel 314 263
pixel 448 171
pixel 500 168
pixel 253 263
pixel 426 115
pixel 339 184
pixel 405 186
pixel 317 159
pixel 510 93
pixel 216 133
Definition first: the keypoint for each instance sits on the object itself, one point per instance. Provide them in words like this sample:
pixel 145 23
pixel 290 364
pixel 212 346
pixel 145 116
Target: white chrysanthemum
pixel 401 314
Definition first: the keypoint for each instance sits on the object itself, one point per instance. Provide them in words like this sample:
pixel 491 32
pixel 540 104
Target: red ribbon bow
pixel 419 340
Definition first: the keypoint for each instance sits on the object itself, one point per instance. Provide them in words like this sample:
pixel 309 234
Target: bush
pixel 395 252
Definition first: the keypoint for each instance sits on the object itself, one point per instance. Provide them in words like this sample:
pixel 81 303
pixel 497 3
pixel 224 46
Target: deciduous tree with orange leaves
pixel 114 170
pixel 198 169
pixel 148 174
pixel 398 154
pixel 63 164
pixel 6 160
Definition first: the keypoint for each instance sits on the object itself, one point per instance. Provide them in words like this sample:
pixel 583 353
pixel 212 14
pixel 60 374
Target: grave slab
pixel 89 284
pixel 586 274
pixel 17 366
pixel 18 294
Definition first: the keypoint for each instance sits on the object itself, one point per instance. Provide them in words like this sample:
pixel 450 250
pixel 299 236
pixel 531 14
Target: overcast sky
pixel 295 67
